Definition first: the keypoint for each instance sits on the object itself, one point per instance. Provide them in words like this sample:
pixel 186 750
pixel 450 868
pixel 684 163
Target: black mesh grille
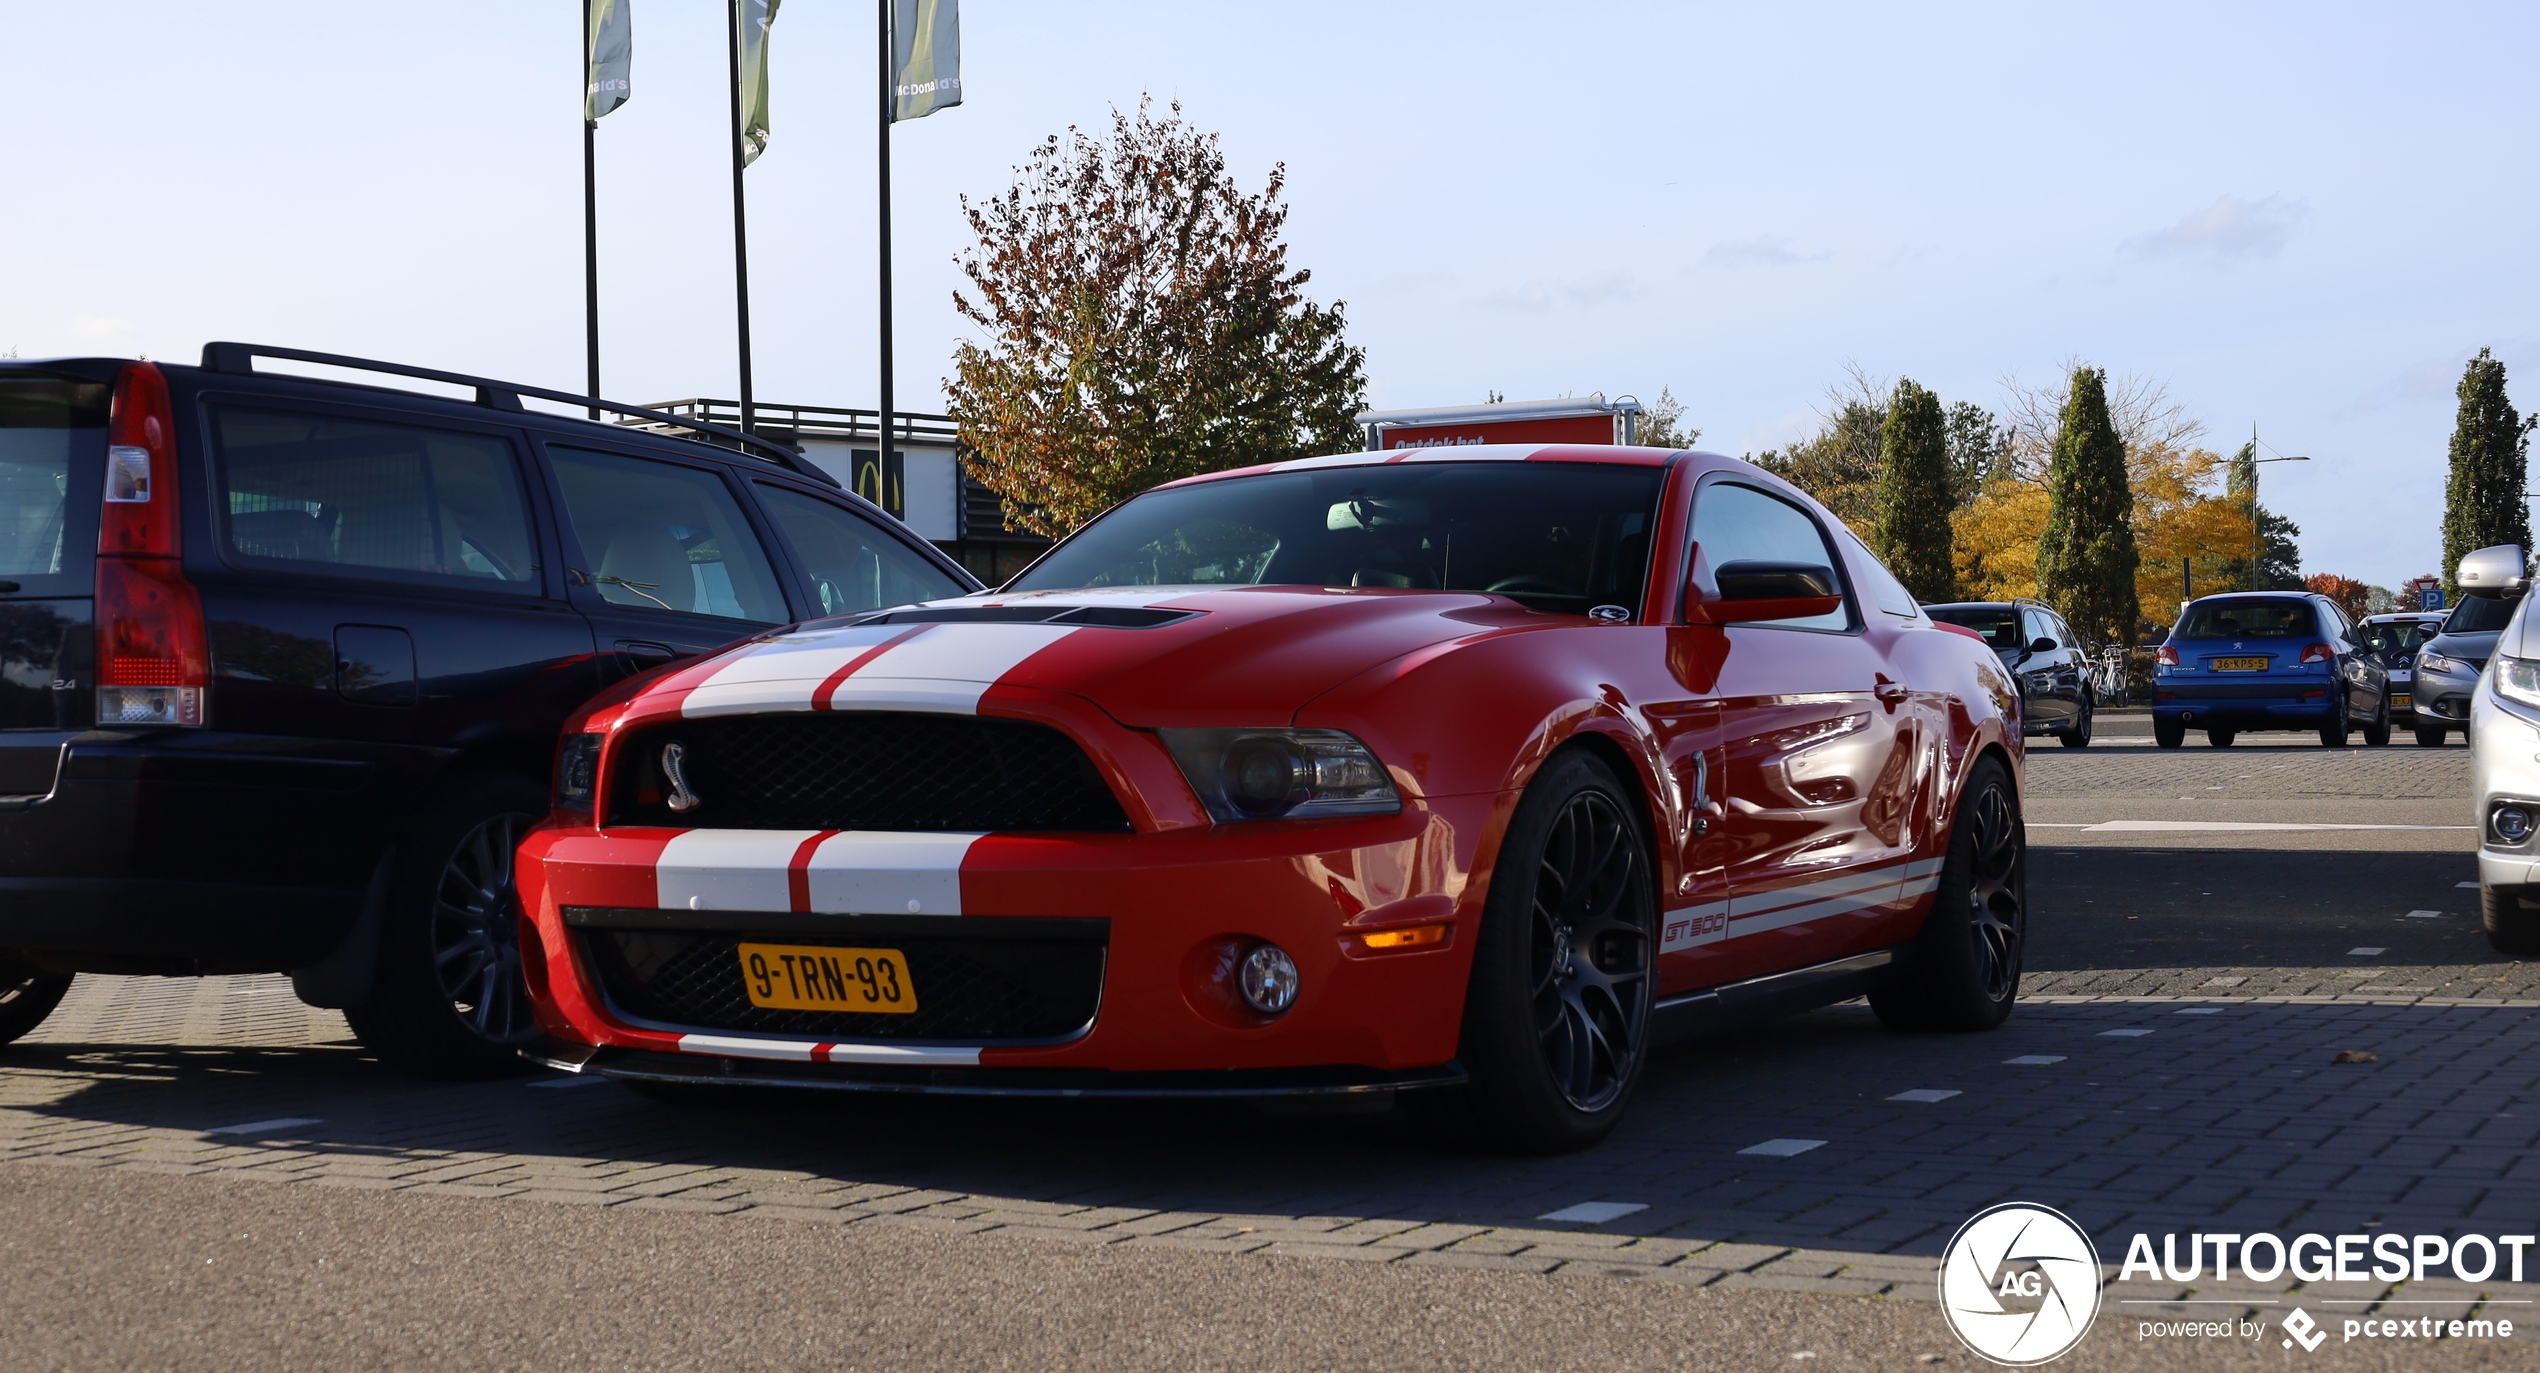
pixel 867 770
pixel 968 988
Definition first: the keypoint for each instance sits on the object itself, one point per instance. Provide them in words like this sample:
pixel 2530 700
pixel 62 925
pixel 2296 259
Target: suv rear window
pixel 2286 619
pixel 394 499
pixel 2000 625
pixel 46 423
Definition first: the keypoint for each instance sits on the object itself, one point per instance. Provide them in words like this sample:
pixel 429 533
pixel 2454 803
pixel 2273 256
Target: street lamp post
pixel 2257 537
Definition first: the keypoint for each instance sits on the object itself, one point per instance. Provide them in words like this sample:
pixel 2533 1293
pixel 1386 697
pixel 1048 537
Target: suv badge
pixel 674 766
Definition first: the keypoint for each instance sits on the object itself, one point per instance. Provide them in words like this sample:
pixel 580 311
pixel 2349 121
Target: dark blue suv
pixel 283 662
pixel 2267 660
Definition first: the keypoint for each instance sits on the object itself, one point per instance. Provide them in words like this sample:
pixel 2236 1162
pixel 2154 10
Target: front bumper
pixel 2504 766
pixel 1181 907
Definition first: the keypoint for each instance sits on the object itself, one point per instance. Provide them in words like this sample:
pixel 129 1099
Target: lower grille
pixel 969 987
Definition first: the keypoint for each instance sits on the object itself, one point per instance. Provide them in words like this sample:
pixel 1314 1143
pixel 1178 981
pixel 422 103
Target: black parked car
pixel 2039 651
pixel 283 662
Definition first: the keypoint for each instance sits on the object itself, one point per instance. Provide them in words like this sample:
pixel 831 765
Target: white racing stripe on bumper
pixel 867 872
pixel 814 1051
pixel 727 870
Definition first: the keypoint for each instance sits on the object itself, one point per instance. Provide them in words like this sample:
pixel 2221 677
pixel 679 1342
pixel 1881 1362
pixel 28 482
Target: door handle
pixel 644 653
pixel 1891 694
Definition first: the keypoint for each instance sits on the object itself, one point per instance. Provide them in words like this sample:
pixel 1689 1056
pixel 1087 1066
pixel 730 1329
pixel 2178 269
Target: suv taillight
pixel 153 653
pixel 2317 653
pixel 2167 655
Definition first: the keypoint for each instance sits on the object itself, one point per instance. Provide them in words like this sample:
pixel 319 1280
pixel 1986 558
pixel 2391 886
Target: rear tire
pixel 449 1000
pixel 2335 733
pixel 27 995
pixel 2169 733
pixel 2430 736
pixel 1556 1022
pixel 1963 969
pixel 2221 738
pixel 2512 926
pixel 2377 733
pixel 2079 735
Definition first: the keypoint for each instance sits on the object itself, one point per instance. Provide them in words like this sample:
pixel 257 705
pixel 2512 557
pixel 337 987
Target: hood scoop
pixel 1101 616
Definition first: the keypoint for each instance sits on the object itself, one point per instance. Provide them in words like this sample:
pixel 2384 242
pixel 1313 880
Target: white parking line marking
pixel 2032 1060
pixel 2203 1010
pixel 2234 826
pixel 1927 1094
pixel 2422 915
pixel 2472 886
pixel 265 1127
pixel 2368 951
pixel 2123 1034
pixel 1595 1212
pixel 585 1080
pixel 1782 1148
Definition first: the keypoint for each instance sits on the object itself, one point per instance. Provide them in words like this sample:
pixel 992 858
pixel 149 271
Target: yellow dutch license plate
pixel 809 977
pixel 2399 700
pixel 2240 665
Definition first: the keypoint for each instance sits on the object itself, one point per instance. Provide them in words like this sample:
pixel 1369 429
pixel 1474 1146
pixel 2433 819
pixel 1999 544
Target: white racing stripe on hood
pixel 781 673
pixel 946 667
pixel 866 872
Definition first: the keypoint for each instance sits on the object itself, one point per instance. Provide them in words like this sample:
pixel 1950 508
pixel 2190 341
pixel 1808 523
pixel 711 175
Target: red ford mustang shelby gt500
pixel 1479 769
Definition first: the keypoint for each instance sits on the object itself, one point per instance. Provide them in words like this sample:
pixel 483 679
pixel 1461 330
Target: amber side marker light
pixel 1408 937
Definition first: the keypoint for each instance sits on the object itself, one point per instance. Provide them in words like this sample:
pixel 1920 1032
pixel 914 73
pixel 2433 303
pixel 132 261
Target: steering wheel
pixel 1527 585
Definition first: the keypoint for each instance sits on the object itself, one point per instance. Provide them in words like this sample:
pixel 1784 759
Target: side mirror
pixel 2041 644
pixel 2494 571
pixel 1756 590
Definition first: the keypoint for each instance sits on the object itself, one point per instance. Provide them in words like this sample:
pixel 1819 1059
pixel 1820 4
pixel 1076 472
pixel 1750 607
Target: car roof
pixel 1471 452
pixel 1977 605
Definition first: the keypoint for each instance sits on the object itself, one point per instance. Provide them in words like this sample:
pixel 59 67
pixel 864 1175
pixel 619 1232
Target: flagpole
pixel 883 459
pixel 590 215
pixel 740 220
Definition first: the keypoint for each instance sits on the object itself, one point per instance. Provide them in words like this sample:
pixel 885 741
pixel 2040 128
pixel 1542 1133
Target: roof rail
pixel 239 359
pixel 2031 600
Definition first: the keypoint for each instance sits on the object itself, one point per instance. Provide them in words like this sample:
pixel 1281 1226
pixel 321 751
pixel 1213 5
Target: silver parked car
pixel 2502 710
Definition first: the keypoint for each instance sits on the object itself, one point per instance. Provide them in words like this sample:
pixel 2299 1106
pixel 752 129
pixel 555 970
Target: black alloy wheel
pixel 1962 972
pixel 476 932
pixel 27 995
pixel 2079 735
pixel 1556 1022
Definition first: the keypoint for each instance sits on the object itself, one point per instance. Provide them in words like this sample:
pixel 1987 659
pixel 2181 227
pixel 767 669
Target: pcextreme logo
pixel 2019 1284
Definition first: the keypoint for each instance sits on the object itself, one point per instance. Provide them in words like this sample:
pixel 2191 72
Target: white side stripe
pixel 865 872
pixel 802 1051
pixel 727 870
pixel 1687 927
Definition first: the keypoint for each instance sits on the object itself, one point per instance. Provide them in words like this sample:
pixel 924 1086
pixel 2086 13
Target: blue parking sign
pixel 2431 598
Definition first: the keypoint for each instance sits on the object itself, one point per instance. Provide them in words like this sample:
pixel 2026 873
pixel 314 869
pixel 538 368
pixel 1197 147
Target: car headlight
pixel 2436 662
pixel 2518 679
pixel 578 773
pixel 1296 774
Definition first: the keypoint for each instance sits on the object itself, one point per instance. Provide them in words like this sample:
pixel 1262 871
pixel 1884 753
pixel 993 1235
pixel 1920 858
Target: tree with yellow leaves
pixel 2179 516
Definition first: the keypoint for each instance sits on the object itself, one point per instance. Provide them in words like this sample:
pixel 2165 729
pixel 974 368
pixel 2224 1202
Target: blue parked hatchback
pixel 2267 660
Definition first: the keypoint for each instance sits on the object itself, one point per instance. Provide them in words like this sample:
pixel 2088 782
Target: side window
pixel 2062 632
pixel 1890 593
pixel 376 498
pixel 852 565
pixel 1734 523
pixel 666 536
pixel 2032 628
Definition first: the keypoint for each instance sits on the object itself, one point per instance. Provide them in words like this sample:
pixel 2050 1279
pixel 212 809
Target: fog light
pixel 1269 979
pixel 2512 823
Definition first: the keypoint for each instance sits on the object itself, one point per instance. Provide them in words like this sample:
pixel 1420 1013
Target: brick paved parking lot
pixel 2170 1069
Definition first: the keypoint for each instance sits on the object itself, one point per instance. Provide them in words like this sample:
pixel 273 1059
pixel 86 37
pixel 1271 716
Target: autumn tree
pixel 2483 501
pixel 2354 597
pixel 1662 423
pixel 1141 323
pixel 1979 451
pixel 2086 557
pixel 1916 495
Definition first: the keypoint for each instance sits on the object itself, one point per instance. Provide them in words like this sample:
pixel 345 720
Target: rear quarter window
pixel 52 438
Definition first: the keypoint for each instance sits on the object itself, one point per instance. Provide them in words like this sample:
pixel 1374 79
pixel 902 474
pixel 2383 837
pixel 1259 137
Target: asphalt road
pixel 366 1220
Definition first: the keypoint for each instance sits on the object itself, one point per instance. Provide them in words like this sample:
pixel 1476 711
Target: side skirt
pixel 1765 998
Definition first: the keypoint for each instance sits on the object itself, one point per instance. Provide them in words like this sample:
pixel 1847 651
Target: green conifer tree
pixel 2483 501
pixel 2086 559
pixel 1916 494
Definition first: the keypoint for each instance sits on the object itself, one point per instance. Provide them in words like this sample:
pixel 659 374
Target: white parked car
pixel 2504 734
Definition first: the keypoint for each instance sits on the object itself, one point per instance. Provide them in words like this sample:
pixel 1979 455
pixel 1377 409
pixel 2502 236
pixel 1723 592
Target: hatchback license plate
pixel 2240 665
pixel 2401 701
pixel 811 977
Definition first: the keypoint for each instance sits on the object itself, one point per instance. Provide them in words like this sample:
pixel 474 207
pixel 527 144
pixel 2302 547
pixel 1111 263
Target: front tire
pixel 1556 1023
pixel 2512 926
pixel 2429 736
pixel 1962 971
pixel 27 995
pixel 449 1000
pixel 2079 735
pixel 2335 733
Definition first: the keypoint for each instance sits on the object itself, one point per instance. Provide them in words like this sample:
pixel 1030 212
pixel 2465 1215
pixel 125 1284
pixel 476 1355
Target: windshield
pixel 1553 536
pixel 2480 615
pixel 2287 619
pixel 1999 624
pixel 2402 636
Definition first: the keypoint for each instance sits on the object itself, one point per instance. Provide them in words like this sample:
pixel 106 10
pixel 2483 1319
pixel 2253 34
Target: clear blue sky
pixel 2304 217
